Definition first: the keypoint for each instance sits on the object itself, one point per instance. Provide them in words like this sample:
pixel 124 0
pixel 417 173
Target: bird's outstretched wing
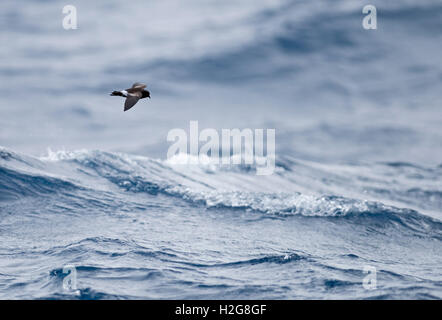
pixel 131 100
pixel 137 86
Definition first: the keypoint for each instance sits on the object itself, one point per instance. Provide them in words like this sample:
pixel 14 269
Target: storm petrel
pixel 132 95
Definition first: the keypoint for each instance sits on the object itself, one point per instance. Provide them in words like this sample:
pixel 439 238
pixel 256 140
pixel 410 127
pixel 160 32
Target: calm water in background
pixel 357 115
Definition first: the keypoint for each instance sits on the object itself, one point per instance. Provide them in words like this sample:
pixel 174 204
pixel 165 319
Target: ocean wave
pixel 217 188
pixel 84 206
pixel 15 184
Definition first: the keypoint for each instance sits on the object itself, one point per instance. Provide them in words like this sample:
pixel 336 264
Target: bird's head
pixel 146 94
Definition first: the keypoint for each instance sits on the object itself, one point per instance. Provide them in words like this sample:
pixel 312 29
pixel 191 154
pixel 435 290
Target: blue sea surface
pixel 358 178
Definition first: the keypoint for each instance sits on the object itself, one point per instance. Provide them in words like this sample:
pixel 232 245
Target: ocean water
pixel 358 180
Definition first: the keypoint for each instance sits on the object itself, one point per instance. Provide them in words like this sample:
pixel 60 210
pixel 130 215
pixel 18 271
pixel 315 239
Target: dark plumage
pixel 132 95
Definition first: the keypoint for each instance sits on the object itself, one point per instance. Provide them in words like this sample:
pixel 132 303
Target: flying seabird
pixel 132 95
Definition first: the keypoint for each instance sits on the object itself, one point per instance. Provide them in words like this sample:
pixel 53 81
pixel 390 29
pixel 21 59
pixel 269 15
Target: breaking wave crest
pixel 218 188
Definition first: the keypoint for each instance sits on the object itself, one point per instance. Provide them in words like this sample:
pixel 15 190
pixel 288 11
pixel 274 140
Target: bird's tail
pixel 116 93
